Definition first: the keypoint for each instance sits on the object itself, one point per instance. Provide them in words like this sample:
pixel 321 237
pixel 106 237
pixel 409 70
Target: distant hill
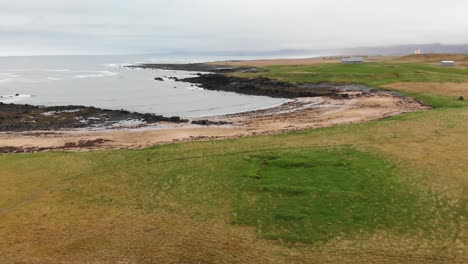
pixel 399 50
pixel 436 48
pixel 435 57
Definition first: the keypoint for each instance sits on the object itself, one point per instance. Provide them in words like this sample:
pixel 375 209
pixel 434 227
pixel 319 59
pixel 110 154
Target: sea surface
pixel 102 81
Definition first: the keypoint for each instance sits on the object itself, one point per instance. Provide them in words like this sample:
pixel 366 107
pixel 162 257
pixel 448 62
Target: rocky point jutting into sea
pixel 24 117
pixel 217 80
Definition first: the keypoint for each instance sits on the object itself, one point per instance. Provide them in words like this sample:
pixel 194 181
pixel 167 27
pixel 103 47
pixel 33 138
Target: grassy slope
pixel 375 75
pixel 388 190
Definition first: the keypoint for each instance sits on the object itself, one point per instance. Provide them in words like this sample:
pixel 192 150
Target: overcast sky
pixel 153 26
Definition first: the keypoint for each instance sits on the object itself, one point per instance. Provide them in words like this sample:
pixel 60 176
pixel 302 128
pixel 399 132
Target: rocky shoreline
pixel 198 67
pixel 217 80
pixel 297 115
pixel 20 118
pixel 268 87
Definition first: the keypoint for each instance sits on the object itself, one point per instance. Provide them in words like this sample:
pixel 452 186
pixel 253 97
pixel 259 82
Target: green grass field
pixel 315 195
pixel 388 191
pixel 372 74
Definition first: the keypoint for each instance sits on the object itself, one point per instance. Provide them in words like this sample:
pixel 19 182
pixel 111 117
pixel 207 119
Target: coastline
pixel 308 106
pixel 299 114
pixel 24 117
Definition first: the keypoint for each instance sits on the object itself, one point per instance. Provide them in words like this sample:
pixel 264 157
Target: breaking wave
pixel 117 65
pixel 13 98
pixel 95 74
pixel 54 79
pixel 8 77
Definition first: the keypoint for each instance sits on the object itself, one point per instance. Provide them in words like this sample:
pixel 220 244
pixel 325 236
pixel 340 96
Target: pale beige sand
pixel 299 114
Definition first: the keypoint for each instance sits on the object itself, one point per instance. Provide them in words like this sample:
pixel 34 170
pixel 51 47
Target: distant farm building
pixel 352 60
pixel 418 51
pixel 447 63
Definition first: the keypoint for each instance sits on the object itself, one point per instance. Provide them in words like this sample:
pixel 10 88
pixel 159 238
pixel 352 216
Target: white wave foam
pixel 88 76
pixel 6 80
pixel 112 65
pixel 195 88
pixel 7 74
pixel 109 73
pixel 13 98
pixel 8 77
pixel 54 79
pixel 34 81
pixel 95 74
pixel 117 65
pixel 54 70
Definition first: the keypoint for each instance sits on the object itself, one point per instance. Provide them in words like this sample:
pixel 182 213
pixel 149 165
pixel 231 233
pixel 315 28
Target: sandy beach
pixel 298 114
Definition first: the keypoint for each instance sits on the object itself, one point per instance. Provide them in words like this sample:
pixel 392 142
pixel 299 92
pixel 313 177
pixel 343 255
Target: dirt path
pixel 299 114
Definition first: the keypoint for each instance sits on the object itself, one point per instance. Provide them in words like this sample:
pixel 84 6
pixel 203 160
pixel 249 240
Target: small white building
pixel 447 63
pixel 418 51
pixel 352 60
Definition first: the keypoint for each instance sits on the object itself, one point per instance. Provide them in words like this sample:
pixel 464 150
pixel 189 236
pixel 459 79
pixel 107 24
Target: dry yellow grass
pixel 274 62
pixel 450 89
pixel 298 61
pixel 47 230
pixel 47 224
pixel 43 221
pixel 432 59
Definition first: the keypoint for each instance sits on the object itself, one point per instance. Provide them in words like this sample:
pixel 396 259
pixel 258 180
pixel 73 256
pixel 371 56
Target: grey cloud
pixel 151 26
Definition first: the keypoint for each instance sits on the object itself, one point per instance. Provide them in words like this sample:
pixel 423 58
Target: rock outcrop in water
pixel 16 117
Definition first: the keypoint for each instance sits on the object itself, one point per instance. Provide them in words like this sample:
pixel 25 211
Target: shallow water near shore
pixel 102 81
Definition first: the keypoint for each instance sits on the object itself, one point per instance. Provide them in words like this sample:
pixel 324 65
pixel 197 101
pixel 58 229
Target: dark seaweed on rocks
pixel 15 117
pixel 217 81
pixel 261 86
pixel 206 122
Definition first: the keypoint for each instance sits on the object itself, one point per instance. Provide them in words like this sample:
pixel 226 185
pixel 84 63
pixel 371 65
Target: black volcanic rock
pixel 261 86
pixel 16 117
pixel 206 122
pixel 217 81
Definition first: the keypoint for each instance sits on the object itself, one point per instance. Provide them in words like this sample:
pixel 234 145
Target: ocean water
pixel 103 82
